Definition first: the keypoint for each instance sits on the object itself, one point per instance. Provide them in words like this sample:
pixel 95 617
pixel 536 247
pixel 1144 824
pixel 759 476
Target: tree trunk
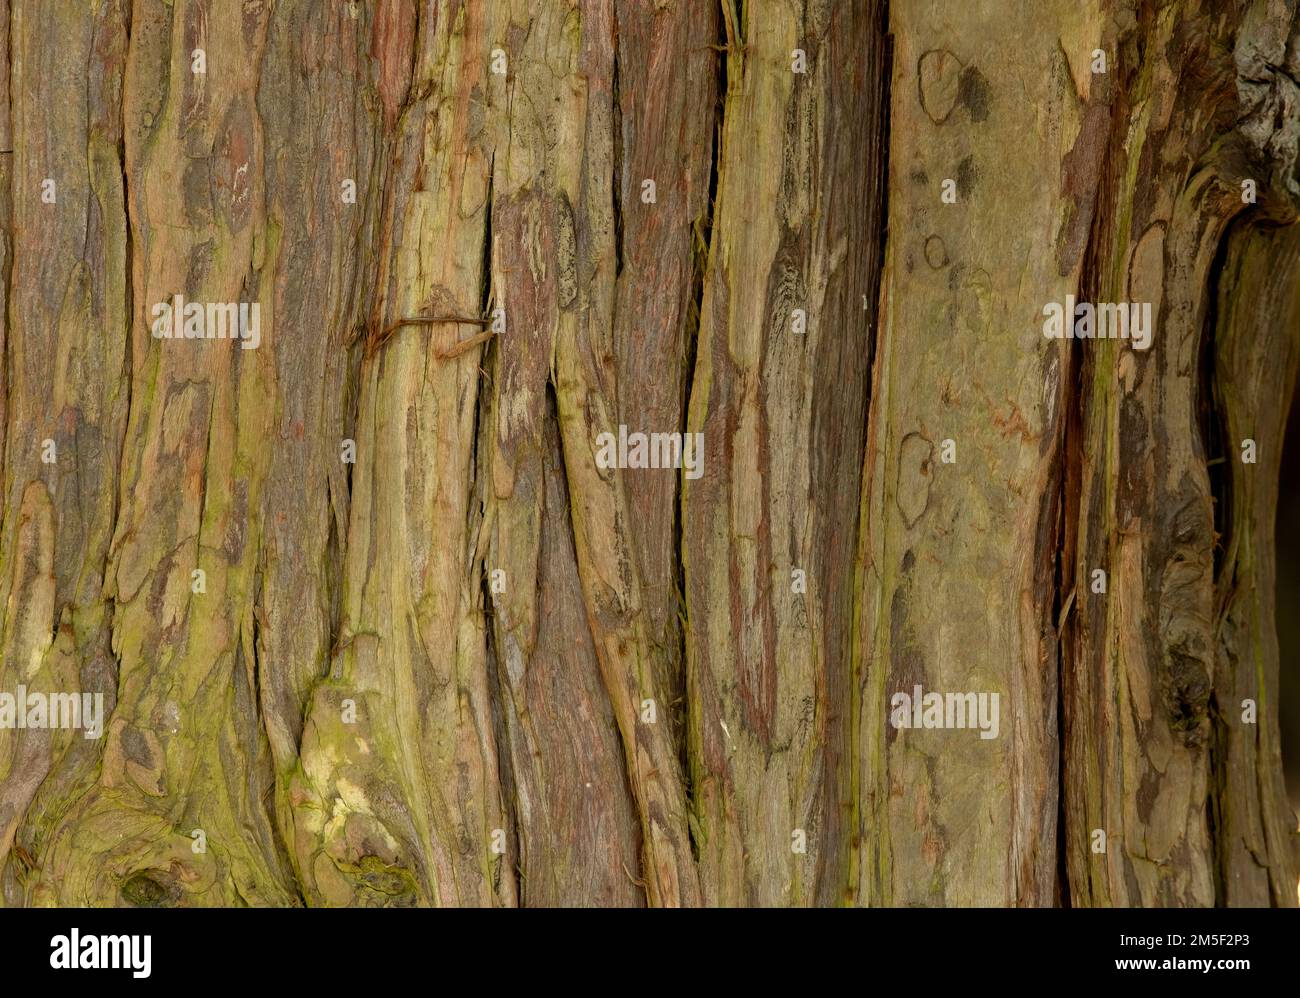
pixel 418 589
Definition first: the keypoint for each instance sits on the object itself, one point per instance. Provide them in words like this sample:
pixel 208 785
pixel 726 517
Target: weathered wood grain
pixel 375 623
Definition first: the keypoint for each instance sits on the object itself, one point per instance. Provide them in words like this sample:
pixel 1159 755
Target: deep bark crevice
pixel 480 484
pixel 849 886
pixel 1212 422
pixel 1069 485
pixel 1288 589
pixel 486 287
pixel 701 257
pixel 617 181
pixel 1213 430
pixel 505 765
pixel 8 175
pixel 871 304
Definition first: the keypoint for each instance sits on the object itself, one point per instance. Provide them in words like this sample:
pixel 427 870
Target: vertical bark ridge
pixel 963 464
pixel 663 133
pixel 66 391
pixel 184 749
pixel 572 186
pixel 578 830
pixel 399 807
pixel 316 65
pixel 778 392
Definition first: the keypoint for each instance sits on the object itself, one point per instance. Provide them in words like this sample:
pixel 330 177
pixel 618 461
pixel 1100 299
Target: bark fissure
pixel 616 187
pixel 701 235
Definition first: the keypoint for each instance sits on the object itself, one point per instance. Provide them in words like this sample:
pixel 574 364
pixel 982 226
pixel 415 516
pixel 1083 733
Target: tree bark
pixel 374 620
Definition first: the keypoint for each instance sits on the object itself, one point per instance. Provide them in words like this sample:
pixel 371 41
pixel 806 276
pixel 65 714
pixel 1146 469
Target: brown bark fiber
pixel 375 622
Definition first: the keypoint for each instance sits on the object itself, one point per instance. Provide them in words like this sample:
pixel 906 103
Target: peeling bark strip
pixel 1142 662
pixel 375 623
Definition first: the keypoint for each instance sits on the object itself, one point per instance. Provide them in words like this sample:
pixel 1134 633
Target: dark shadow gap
pixel 1288 604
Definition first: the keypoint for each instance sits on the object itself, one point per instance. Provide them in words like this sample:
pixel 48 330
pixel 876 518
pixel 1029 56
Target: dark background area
pixel 1288 604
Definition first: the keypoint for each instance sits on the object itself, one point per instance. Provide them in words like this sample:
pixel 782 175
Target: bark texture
pixel 374 620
